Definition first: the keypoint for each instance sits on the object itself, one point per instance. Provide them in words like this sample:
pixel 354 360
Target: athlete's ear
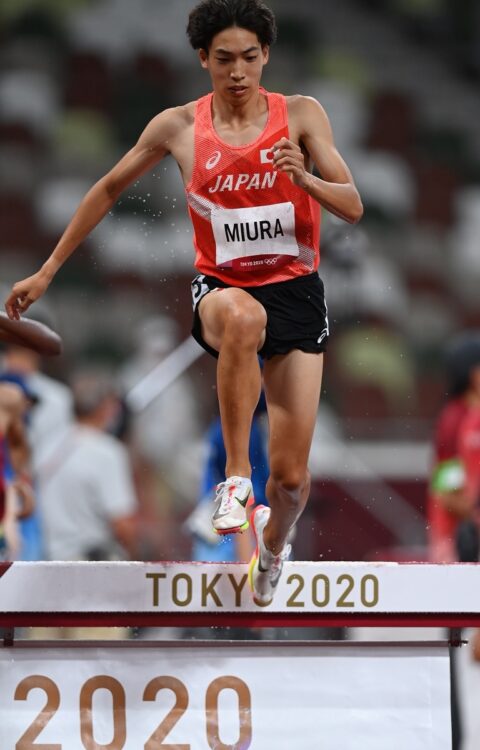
pixel 203 55
pixel 266 54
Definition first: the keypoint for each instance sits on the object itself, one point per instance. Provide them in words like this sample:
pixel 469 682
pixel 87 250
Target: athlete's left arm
pixel 335 188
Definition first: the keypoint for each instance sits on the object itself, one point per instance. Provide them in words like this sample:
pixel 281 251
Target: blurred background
pixel 80 79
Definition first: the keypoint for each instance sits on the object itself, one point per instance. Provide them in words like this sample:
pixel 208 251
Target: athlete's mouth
pixel 237 89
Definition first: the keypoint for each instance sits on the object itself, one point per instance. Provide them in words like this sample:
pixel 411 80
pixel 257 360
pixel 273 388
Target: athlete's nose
pixel 237 74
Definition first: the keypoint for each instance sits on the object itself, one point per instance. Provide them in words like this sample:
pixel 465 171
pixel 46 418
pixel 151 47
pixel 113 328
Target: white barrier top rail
pixel 188 593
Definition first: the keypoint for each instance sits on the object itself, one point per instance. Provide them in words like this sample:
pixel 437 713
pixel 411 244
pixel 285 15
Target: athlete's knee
pixel 245 320
pixel 291 481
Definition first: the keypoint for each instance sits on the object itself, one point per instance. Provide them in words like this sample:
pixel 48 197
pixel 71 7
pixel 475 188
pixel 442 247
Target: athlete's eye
pixel 222 60
pixel 251 59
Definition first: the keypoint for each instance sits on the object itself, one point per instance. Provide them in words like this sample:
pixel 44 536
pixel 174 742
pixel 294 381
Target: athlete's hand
pixel 288 157
pixel 25 293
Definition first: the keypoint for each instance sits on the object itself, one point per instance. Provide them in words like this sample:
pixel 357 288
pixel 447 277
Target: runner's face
pixel 235 62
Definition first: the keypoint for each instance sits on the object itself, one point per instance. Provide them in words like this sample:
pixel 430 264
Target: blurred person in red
pixel 454 496
pixel 455 484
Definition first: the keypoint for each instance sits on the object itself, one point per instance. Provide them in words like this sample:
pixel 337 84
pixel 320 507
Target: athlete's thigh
pixel 292 388
pixel 215 308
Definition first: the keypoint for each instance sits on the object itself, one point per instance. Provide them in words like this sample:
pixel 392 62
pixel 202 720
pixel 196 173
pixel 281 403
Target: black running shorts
pixel 296 313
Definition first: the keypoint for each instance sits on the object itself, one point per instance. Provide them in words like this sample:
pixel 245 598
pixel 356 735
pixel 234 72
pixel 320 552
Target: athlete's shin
pixel 287 493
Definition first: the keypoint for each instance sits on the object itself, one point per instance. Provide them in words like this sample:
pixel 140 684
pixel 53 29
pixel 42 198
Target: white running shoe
pixel 233 497
pixel 265 568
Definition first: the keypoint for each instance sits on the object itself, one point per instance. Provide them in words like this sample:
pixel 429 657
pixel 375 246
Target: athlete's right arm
pixel 152 146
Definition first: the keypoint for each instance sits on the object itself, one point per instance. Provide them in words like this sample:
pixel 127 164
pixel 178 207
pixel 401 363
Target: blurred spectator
pixel 455 484
pixel 88 501
pixel 53 409
pixel 50 412
pixel 454 498
pixel 24 343
pixel 16 496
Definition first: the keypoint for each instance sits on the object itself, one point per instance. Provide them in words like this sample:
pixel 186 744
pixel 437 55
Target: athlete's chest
pixel 196 148
pixel 238 134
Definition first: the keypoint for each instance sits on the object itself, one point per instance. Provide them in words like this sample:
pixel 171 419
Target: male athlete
pixel 246 157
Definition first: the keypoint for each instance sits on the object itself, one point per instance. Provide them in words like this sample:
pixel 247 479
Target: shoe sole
pixel 259 602
pixel 235 529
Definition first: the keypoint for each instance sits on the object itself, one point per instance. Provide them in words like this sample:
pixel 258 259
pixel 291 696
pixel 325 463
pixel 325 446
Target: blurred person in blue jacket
pixel 16 496
pixel 19 533
pixel 19 477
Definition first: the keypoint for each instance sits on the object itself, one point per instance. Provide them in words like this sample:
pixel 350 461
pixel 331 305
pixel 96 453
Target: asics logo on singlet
pixel 213 161
pixel 231 182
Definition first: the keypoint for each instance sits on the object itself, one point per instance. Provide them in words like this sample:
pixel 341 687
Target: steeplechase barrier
pixel 224 695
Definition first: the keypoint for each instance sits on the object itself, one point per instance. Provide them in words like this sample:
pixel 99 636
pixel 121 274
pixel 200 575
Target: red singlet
pixel 442 523
pixel 469 452
pixel 252 225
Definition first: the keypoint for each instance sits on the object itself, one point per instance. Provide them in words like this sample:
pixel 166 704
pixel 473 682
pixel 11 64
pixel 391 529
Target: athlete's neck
pixel 238 115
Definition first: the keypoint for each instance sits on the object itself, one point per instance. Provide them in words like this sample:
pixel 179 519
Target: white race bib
pixel 252 231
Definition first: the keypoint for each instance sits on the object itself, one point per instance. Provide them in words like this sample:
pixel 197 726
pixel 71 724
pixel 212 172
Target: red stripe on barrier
pixel 4 566
pixel 236 619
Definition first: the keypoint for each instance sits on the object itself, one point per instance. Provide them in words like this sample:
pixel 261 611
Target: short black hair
pixel 210 17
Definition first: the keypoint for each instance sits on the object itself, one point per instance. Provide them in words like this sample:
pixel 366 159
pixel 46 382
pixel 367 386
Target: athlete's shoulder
pixel 305 106
pixel 164 129
pixel 185 112
pixel 307 116
pixel 174 118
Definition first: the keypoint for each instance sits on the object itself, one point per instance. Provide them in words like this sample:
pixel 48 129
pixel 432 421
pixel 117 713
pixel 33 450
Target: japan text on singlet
pixel 252 225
